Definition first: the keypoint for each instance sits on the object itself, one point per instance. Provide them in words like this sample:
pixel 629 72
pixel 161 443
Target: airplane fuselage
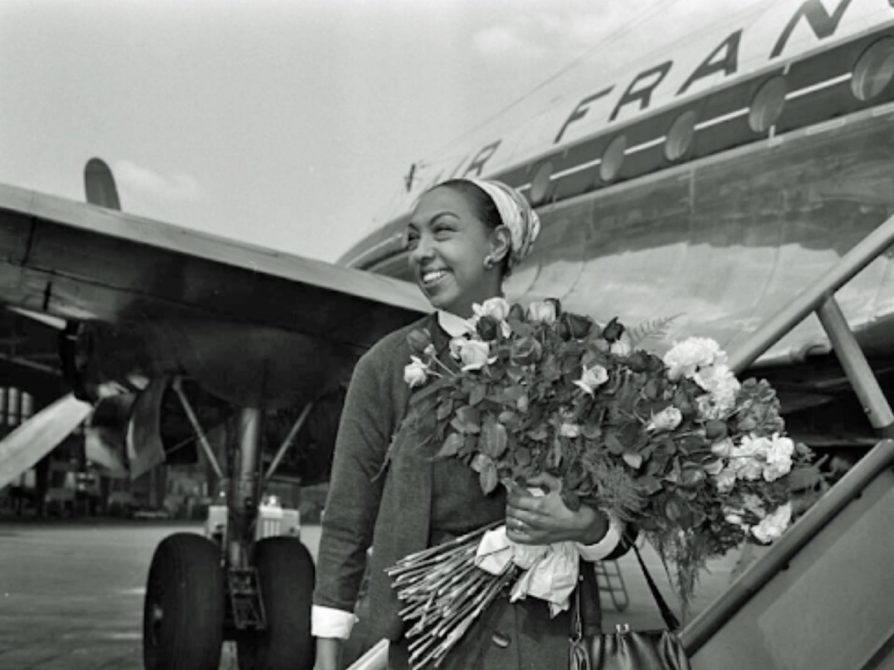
pixel 714 184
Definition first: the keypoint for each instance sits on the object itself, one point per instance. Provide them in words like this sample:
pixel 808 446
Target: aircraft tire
pixel 183 613
pixel 286 577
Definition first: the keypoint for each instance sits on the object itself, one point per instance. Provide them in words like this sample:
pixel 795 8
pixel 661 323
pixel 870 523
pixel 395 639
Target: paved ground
pixel 71 593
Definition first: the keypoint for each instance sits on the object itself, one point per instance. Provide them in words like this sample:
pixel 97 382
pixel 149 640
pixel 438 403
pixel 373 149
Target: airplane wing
pixel 253 325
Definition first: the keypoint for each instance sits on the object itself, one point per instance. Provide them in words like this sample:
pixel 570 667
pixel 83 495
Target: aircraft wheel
pixel 183 613
pixel 286 577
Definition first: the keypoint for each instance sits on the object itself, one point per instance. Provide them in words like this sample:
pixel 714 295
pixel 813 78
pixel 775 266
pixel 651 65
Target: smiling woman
pixel 462 239
pixel 458 246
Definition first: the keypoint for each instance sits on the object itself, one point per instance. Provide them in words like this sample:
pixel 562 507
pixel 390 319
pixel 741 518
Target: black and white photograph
pixel 446 334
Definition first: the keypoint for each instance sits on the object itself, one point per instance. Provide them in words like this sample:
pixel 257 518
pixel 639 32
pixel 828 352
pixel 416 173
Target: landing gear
pixel 183 615
pixel 247 584
pixel 286 579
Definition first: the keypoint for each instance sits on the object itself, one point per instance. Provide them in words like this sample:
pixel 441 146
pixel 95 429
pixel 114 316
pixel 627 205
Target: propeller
pixel 34 439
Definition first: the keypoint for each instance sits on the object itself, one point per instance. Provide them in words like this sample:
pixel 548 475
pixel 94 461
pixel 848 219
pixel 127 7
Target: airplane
pixel 713 182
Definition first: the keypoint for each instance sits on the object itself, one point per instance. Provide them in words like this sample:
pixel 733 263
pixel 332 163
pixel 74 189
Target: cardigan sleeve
pixel 355 488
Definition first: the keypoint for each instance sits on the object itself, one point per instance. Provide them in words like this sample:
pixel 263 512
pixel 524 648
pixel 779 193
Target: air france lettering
pixel 652 86
pixel 724 59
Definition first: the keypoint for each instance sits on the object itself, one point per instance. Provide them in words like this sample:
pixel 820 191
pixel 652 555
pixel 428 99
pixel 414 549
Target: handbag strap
pixel 666 613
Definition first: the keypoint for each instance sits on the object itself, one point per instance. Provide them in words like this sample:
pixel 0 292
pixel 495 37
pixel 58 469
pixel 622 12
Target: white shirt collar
pixel 453 325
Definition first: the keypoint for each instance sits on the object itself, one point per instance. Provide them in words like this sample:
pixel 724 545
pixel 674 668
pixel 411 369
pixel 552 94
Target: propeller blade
pixel 99 184
pixel 39 435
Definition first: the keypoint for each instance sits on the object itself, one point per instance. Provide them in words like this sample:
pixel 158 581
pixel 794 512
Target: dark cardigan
pixel 395 512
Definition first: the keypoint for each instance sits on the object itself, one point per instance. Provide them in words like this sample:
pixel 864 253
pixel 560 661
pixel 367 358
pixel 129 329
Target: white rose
pixel 684 358
pixel 592 378
pixel 726 480
pixel 779 457
pixel 542 311
pixel 473 354
pixel 456 345
pixel 621 347
pixel 722 448
pixel 734 519
pixel 667 419
pixel 415 372
pixel 496 308
pixel 772 527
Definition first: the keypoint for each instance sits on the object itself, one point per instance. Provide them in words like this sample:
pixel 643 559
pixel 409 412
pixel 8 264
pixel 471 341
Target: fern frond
pixel 656 329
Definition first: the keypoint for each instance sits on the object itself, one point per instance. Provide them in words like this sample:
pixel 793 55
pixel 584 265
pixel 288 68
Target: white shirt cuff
pixel 605 546
pixel 331 622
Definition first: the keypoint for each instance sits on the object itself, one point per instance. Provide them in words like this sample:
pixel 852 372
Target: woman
pixel 463 238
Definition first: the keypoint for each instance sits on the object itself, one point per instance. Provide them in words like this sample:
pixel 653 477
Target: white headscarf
pixel 517 215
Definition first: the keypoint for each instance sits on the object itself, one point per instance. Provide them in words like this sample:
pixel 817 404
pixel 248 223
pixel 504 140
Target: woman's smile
pixel 431 278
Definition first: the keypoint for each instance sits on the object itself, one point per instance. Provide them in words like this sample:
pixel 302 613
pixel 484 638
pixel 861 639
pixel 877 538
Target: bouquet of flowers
pixel 676 445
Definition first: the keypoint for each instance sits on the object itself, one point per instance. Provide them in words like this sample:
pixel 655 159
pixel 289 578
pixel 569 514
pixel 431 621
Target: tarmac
pixel 71 592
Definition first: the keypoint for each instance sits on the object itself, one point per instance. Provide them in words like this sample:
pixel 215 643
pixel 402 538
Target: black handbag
pixel 624 649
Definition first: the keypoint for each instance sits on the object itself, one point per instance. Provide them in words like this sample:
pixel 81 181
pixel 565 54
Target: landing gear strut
pixel 257 593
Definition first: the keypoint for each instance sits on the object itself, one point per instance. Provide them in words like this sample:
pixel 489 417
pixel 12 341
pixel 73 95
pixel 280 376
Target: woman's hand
pixel 546 519
pixel 328 649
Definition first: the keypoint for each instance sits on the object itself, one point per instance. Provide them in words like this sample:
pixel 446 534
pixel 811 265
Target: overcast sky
pixel 289 124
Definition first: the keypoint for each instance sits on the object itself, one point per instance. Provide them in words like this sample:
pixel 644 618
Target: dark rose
pixel 487 328
pixel 613 330
pixel 715 430
pixel 419 340
pixel 638 361
pixel 525 351
pixel 563 330
pixel 578 326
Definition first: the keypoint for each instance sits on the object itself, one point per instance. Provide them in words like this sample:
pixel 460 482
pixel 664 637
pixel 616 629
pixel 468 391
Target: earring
pixel 488 262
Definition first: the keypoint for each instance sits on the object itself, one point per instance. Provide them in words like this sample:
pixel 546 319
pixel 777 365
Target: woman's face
pixel 447 245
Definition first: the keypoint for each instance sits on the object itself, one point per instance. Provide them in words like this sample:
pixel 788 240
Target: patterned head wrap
pixel 517 215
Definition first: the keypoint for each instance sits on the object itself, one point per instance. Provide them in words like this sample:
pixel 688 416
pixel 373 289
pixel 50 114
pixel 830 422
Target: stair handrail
pixel 862 254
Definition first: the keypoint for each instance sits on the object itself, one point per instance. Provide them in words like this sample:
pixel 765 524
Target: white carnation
pixel 778 457
pixel 726 480
pixel 772 526
pixel 722 387
pixel 684 358
pixel 747 458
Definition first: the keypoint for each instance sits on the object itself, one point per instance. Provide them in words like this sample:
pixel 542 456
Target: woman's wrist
pixel 594 527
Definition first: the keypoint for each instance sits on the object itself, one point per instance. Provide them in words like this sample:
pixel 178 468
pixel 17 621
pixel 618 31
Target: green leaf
pixel 480 462
pixel 692 476
pixel 476 395
pixel 467 420
pixel 488 478
pixel 512 393
pixel 649 484
pixel 805 477
pixel 451 446
pixel 633 459
pixel 614 444
pixel 445 408
pixel 493 438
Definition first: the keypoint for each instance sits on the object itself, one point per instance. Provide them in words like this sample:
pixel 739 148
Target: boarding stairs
pixel 822 597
